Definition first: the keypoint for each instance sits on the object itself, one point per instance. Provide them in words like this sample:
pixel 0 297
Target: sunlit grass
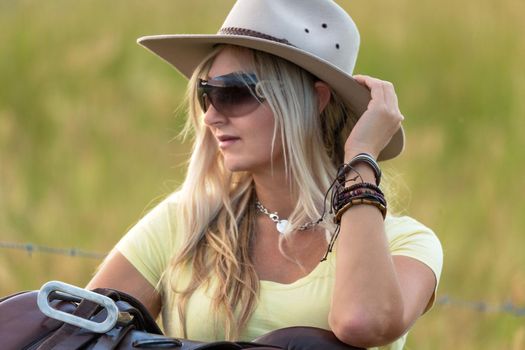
pixel 87 120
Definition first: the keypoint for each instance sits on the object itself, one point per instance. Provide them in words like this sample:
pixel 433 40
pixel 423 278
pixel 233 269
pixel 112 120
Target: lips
pixel 226 140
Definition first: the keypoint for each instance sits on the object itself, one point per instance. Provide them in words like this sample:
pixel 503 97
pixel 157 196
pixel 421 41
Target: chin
pixel 237 165
pixel 236 168
pixel 233 166
pixel 250 163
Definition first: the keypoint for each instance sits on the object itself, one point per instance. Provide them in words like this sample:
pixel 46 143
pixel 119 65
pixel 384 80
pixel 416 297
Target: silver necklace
pixel 281 224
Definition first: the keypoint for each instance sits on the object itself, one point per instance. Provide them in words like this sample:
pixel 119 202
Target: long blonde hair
pixel 215 211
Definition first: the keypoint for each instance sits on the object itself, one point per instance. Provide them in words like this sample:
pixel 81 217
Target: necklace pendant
pixel 281 225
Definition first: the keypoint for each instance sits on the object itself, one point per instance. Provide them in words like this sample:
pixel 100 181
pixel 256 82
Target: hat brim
pixel 186 51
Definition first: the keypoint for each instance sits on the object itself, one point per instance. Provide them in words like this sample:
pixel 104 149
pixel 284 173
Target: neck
pixel 274 192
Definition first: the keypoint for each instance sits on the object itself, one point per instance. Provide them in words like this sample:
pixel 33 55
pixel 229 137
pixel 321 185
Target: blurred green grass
pixel 87 126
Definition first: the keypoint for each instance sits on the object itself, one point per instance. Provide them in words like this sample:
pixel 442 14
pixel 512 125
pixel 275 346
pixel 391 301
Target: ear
pixel 323 94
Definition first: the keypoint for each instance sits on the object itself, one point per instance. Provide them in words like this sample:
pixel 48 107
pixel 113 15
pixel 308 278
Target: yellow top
pixel 150 244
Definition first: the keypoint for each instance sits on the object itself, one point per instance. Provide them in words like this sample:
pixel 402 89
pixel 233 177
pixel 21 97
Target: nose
pixel 212 117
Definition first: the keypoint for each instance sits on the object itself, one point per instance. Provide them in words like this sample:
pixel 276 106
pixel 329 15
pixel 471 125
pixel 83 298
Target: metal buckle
pixel 104 301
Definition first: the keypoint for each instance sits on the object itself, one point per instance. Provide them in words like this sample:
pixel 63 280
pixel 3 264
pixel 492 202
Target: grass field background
pixel 87 127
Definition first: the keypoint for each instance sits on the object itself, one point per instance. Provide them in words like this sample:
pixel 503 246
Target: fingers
pixel 379 122
pixel 390 95
pixel 382 92
pixel 374 85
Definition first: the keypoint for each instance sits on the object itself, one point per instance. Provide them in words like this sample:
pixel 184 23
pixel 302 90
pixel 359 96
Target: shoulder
pixel 151 242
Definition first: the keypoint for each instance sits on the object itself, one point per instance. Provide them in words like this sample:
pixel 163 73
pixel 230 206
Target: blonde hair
pixel 215 211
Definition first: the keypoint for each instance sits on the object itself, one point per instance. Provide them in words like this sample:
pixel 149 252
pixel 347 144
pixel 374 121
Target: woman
pixel 236 251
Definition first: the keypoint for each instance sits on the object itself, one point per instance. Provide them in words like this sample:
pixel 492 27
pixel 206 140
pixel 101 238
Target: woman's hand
pixel 379 123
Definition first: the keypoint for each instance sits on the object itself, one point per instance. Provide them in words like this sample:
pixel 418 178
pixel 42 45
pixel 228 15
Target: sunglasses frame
pixel 240 82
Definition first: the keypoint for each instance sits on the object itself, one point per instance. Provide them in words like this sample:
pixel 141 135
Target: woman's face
pixel 245 141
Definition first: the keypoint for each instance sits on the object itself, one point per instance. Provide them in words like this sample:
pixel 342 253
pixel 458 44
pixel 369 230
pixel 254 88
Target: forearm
pixel 118 273
pixel 367 304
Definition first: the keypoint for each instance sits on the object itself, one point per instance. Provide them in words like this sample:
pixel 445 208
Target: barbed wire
pixel 507 307
pixel 31 248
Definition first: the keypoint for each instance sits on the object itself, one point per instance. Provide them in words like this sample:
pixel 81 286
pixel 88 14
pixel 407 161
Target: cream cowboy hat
pixel 317 35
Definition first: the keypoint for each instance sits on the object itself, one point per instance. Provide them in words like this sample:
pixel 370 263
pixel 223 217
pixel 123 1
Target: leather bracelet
pixel 341 201
pixel 357 201
pixel 367 159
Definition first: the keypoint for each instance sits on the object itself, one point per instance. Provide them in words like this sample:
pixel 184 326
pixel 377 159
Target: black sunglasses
pixel 232 95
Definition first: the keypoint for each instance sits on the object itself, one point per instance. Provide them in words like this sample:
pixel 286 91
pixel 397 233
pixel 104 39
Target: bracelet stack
pixel 360 193
pixel 343 197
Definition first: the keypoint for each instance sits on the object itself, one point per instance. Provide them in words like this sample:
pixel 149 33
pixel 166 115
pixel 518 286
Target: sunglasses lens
pixel 231 98
pixel 233 101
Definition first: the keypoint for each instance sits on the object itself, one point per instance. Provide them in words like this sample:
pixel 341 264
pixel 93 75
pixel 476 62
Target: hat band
pixel 253 33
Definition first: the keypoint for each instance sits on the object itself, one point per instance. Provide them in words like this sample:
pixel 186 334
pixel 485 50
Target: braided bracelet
pixel 356 193
pixel 341 198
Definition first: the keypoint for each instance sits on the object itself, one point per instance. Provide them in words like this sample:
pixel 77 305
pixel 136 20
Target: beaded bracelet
pixel 361 185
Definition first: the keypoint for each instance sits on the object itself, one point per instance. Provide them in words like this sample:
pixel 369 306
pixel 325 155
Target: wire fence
pixel 31 248
pixel 507 307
